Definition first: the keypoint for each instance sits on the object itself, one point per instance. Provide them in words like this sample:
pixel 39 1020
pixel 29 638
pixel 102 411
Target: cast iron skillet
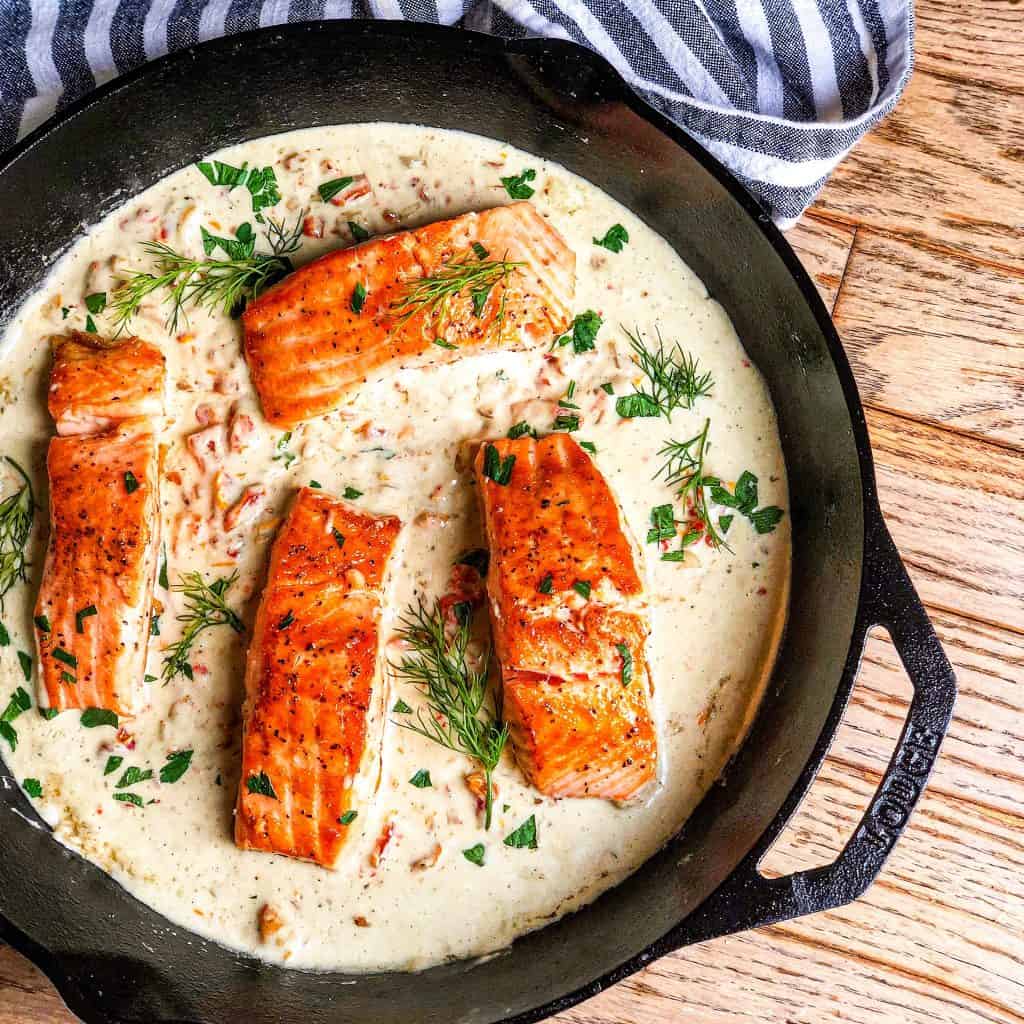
pixel 115 960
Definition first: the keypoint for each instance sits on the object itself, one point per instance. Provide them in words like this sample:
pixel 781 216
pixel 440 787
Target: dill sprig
pixel 477 275
pixel 16 514
pixel 674 380
pixel 205 607
pixel 456 716
pixel 683 469
pixel 225 284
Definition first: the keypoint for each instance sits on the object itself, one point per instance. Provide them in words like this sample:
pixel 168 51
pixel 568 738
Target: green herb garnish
pixel 42 623
pixel 614 238
pixel 95 302
pixel 348 817
pixel 33 787
pixel 663 524
pixel 16 514
pixel 524 837
pixel 520 429
pixel 351 493
pixel 431 296
pixel 674 381
pixel 131 484
pixel 583 588
pixel 261 182
pixel 475 854
pixel 358 297
pixel 241 247
pixel 329 189
pixel 583 332
pixel 683 469
pixel 455 691
pixel 497 468
pixel 205 607
pixel 421 780
pixel 177 765
pixel 627 663
pixel 93 717
pixel 213 284
pixel 546 585
pixel 25 660
pixel 132 776
pixel 130 798
pixel 515 184
pixel 401 708
pixel 82 614
pixel 113 763
pixel 261 785
pixel 359 233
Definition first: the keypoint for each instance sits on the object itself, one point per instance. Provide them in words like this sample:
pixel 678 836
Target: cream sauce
pixel 716 623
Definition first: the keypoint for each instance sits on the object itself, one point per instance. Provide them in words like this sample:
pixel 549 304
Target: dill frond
pixel 456 715
pixel 674 380
pixel 683 469
pixel 431 296
pixel 225 284
pixel 205 607
pixel 16 514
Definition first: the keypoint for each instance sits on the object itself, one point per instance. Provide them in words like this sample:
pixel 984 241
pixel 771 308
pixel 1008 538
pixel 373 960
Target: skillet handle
pixel 747 899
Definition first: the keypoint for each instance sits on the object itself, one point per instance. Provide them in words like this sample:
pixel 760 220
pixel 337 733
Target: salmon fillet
pixel 92 612
pixel 307 347
pixel 311 698
pixel 569 621
pixel 96 383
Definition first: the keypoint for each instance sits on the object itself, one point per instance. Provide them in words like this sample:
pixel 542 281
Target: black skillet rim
pixel 537 48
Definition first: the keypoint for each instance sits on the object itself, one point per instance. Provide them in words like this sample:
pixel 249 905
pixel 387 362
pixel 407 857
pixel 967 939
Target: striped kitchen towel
pixel 779 90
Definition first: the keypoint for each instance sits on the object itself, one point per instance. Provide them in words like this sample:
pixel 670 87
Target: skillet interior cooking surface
pixel 114 959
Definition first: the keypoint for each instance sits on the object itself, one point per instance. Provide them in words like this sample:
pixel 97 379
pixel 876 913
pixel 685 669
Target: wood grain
pixel 823 249
pixel 946 165
pixel 976 40
pixel 935 335
pixel 954 506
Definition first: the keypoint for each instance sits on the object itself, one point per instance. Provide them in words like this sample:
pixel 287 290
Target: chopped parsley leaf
pixel 241 247
pixel 68 659
pixel 43 623
pixel 515 184
pixel 589 446
pixel 96 302
pixel 566 421
pixel 315 484
pixel 82 614
pixel 421 780
pixel 442 343
pixel 545 586
pixel 5 637
pixel 583 588
pixel 286 621
pixel 177 765
pixel 524 837
pixel 261 785
pixel 583 332
pixel 131 485
pixel 520 429
pixel 663 524
pixel 351 493
pixel 358 297
pixel 401 708
pixel 724 522
pixel 479 251
pixel 92 717
pixel 329 189
pixel 638 404
pixel 614 238
pixel 132 776
pixel 33 787
pixel 339 537
pixel 25 660
pixel 348 817
pixel 113 763
pixel 359 233
pixel 497 468
pixel 49 713
pixel 130 798
pixel 627 663
pixel 608 388
pixel 475 855
pixel 90 325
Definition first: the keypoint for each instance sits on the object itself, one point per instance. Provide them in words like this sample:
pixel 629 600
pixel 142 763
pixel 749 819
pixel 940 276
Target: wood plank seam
pixel 838 220
pixel 846 267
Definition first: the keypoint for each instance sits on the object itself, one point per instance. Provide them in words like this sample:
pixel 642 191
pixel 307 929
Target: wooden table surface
pixel 917 245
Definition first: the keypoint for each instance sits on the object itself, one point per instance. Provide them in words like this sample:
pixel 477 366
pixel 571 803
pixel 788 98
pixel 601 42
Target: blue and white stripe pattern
pixel 779 90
